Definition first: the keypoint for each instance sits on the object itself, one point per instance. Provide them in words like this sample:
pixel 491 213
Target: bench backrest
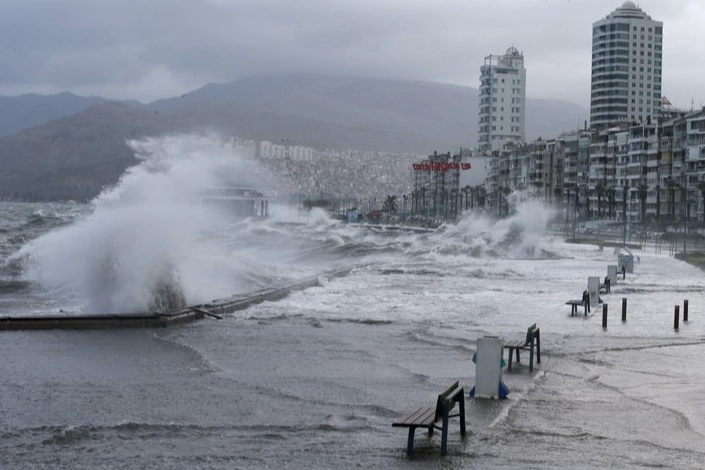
pixel 530 333
pixel 442 397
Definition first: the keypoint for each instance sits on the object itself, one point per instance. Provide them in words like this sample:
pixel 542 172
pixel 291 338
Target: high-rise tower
pixel 626 67
pixel 502 100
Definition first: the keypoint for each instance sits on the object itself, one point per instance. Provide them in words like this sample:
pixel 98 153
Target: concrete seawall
pixel 160 320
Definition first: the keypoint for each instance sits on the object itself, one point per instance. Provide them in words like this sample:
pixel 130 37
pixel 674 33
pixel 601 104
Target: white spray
pixel 141 249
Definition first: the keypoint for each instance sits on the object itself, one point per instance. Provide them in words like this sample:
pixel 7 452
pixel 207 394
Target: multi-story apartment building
pixel 502 100
pixel 626 68
pixel 436 187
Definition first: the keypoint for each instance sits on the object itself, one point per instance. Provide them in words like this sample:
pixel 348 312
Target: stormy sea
pixel 315 380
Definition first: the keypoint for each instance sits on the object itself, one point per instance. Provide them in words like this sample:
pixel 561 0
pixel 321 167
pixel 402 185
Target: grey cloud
pixel 113 45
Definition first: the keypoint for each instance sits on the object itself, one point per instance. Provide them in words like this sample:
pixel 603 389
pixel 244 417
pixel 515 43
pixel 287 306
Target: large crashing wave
pixel 149 244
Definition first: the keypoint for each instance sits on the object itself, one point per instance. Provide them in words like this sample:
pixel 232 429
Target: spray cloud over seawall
pixel 151 243
pixel 516 236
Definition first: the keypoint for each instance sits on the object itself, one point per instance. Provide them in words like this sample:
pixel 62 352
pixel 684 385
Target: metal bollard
pixel 624 309
pixel 604 315
pixel 685 310
pixel 676 315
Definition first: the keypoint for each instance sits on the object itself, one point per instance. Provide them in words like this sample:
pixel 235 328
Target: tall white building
pixel 502 100
pixel 626 67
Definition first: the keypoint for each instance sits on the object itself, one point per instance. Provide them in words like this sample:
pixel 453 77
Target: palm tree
pixel 701 188
pixel 658 204
pixel 390 205
pixel 504 192
pixel 600 190
pixel 480 194
pixel 466 191
pixel 611 202
pixel 642 191
pixel 586 191
pixel 672 185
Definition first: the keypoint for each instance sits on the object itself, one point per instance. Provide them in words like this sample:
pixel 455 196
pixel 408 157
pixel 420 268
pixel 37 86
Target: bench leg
pixel 517 350
pixel 509 367
pixel 531 357
pixel 461 411
pixel 538 347
pixel 410 444
pixel 444 432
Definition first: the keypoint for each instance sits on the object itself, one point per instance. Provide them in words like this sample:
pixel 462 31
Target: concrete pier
pixel 159 320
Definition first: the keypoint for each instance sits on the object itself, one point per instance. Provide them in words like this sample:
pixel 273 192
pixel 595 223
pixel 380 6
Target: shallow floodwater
pixel 315 380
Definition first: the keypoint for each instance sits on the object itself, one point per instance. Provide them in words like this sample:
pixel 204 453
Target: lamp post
pixel 685 212
pixel 624 214
pixel 403 209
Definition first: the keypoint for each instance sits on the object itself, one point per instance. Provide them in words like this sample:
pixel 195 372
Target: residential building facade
pixel 627 58
pixel 502 100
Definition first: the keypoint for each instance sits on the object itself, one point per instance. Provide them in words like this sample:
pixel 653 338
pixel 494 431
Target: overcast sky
pixel 151 49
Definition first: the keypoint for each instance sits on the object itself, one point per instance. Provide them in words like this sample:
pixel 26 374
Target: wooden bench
pixel 585 302
pixel 574 304
pixel 427 417
pixel 606 286
pixel 533 340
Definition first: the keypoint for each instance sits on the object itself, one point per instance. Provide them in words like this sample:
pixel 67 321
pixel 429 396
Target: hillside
pixel 343 113
pixel 74 156
pixel 22 112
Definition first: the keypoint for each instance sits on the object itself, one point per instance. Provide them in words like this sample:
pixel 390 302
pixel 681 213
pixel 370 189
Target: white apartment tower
pixel 626 68
pixel 502 100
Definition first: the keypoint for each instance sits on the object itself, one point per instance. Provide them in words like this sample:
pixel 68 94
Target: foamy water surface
pixel 314 380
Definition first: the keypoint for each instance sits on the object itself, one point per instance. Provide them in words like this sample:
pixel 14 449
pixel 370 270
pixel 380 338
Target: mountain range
pixel 69 147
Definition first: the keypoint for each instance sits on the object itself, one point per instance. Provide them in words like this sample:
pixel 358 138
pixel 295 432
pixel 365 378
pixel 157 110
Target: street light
pixel 624 214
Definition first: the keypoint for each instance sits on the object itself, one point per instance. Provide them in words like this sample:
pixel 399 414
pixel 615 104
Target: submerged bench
pixel 427 417
pixel 585 302
pixel 606 286
pixel 575 303
pixel 532 340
